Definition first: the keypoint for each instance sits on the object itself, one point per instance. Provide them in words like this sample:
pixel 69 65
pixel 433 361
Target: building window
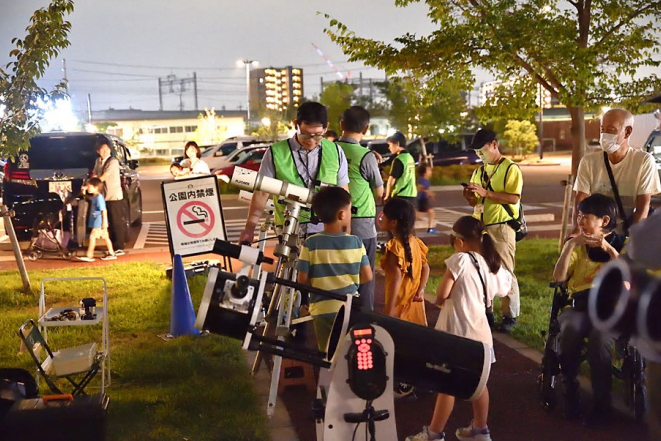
pixel 162 152
pixel 160 130
pixel 191 129
pixel 176 129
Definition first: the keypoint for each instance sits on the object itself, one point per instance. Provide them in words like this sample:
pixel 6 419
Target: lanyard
pixel 307 179
pixel 485 185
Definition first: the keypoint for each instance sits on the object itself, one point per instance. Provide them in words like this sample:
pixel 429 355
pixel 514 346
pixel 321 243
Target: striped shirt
pixel 332 263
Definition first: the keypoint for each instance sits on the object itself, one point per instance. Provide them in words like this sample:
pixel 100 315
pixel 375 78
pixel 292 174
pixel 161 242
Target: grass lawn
pixel 189 388
pixel 535 259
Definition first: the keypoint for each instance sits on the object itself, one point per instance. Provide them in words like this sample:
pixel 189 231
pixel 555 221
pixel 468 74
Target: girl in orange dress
pixel 405 264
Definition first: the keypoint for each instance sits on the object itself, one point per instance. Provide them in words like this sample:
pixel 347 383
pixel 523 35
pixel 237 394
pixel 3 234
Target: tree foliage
pixel 420 106
pixel 521 136
pixel 47 35
pixel 337 98
pixel 585 53
pixel 210 128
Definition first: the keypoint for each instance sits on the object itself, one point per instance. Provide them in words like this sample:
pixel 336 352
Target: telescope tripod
pixel 286 300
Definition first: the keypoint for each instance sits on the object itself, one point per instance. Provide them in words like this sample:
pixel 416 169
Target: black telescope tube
pixel 228 249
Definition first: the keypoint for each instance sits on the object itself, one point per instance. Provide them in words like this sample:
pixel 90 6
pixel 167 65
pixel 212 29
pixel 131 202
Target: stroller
pixel 49 236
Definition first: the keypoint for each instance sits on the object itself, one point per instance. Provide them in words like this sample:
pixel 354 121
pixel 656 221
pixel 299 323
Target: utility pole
pixel 175 85
pixel 195 89
pixel 160 95
pixel 66 80
pixel 89 109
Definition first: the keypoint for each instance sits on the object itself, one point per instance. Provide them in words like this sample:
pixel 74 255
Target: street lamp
pixel 247 64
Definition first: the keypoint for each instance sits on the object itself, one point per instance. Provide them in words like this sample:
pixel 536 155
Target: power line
pixel 139 66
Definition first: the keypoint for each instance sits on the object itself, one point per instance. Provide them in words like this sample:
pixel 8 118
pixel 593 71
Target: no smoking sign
pixel 195 219
pixel 194 215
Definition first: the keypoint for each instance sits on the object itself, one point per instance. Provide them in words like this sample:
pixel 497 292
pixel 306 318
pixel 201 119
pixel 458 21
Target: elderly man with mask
pixel 633 171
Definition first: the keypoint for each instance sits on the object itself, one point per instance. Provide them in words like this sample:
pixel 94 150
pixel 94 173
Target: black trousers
pixel 117 223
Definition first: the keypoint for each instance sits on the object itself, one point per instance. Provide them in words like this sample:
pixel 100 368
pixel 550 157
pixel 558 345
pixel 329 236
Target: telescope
pixel 252 181
pixel 420 356
pixel 626 299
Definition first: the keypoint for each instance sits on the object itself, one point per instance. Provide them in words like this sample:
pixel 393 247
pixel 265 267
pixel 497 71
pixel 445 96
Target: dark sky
pixel 119 48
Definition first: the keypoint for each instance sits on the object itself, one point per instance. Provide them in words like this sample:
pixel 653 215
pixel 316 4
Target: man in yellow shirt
pixel 495 193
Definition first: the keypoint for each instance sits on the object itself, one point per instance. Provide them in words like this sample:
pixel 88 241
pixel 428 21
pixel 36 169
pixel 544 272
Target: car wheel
pixel 138 220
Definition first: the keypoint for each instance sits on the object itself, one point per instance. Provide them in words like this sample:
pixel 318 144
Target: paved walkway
pixel 515 412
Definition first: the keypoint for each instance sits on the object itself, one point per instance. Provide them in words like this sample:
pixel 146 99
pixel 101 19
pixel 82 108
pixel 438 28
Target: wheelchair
pixel 629 366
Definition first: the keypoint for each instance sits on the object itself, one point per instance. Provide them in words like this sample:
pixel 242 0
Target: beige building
pixel 164 133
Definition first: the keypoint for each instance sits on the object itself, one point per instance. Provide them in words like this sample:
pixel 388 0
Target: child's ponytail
pixel 472 230
pixel 489 252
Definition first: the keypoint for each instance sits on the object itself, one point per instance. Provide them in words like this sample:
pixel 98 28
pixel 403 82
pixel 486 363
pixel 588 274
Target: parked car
pixel 247 157
pixel 55 166
pixel 215 156
pixel 444 153
pixel 653 146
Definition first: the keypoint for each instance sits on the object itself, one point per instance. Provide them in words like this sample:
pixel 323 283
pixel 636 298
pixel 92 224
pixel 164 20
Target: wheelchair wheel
pixel 547 381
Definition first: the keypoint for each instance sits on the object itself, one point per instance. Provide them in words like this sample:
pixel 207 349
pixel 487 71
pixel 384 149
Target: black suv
pixel 56 165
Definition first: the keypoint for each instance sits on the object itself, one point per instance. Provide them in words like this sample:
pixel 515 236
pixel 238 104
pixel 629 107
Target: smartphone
pixel 463 184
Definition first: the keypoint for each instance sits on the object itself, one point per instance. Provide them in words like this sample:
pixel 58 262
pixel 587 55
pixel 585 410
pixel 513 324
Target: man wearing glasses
pixel 301 160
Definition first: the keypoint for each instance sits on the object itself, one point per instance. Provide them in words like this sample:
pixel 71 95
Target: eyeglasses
pixel 316 137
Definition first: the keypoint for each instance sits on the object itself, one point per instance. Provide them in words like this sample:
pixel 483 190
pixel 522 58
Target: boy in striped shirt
pixel 332 260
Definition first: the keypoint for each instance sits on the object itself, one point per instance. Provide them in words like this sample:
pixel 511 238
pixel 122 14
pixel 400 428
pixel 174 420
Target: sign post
pixel 194 215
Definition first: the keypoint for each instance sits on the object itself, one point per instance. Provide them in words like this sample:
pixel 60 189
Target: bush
pixel 452 174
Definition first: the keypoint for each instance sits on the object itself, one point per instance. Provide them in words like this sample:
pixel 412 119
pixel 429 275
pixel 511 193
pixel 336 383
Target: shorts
pixel 423 205
pixel 99 233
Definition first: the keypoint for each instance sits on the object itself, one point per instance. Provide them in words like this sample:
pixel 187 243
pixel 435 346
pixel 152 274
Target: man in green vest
pixel 497 183
pixel 365 183
pixel 401 182
pixel 301 160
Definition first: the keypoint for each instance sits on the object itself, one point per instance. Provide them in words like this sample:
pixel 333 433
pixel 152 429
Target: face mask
pixel 609 143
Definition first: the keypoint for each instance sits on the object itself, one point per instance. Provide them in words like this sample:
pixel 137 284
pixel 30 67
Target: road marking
pixel 142 236
pixel 547 217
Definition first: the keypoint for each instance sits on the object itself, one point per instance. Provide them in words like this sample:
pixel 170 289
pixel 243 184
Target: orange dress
pixel 406 308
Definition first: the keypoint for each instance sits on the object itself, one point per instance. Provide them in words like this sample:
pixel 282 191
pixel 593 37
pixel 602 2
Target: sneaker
pixel 109 257
pixel 119 252
pixel 85 259
pixel 432 231
pixel 426 436
pixel 507 324
pixel 470 433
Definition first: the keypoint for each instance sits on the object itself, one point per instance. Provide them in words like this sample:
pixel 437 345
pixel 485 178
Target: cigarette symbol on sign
pixel 202 214
pixel 195 219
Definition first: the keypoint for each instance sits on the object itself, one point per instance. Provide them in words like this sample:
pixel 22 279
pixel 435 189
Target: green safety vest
pixel 359 187
pixel 405 186
pixel 285 170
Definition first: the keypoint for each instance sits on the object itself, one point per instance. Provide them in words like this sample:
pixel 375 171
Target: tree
pixel 337 98
pixel 210 129
pixel 585 53
pixel 272 126
pixel 20 95
pixel 521 136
